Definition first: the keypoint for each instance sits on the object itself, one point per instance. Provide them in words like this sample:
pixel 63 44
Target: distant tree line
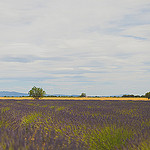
pixel 131 95
pixel 147 95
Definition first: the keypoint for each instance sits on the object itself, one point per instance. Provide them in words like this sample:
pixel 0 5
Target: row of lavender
pixel 68 125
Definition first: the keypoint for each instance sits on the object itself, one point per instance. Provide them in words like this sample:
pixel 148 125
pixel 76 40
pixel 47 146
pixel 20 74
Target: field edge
pixel 77 98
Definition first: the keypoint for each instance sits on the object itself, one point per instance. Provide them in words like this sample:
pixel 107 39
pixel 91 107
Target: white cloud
pixel 77 45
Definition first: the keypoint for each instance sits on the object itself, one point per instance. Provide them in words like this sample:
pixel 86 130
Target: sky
pixel 100 47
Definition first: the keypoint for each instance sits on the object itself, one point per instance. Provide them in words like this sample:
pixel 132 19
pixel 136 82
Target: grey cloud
pixel 28 79
pixel 77 71
pixel 147 63
pixel 135 37
pixel 30 58
pixel 17 59
pixel 77 79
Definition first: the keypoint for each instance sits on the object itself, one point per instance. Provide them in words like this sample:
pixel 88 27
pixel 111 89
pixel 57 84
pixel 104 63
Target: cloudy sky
pixel 101 47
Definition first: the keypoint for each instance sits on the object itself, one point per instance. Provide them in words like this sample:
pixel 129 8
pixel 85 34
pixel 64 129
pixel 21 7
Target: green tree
pixel 36 93
pixel 83 95
pixel 147 95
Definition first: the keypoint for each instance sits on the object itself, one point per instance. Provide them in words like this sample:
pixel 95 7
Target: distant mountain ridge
pixel 12 93
pixel 18 94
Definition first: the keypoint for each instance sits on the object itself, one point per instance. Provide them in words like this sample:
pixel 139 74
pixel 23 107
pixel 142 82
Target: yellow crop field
pixel 78 98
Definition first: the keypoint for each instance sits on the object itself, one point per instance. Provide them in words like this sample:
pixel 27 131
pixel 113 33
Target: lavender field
pixel 74 125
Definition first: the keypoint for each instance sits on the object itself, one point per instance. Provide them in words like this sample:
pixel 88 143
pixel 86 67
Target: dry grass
pixel 78 98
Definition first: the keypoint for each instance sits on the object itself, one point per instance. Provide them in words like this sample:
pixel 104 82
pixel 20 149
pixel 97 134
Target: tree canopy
pixel 36 93
pixel 83 95
pixel 147 95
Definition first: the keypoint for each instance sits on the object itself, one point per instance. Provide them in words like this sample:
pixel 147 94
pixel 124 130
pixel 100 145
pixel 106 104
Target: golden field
pixel 78 98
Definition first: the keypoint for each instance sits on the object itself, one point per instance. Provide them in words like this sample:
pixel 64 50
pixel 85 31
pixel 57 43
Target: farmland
pixel 76 124
pixel 79 98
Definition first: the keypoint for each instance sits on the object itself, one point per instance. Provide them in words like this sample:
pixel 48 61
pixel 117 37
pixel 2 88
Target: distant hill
pixel 15 94
pixel 18 94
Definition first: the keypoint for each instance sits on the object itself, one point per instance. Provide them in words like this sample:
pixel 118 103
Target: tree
pixel 147 95
pixel 130 95
pixel 36 93
pixel 83 95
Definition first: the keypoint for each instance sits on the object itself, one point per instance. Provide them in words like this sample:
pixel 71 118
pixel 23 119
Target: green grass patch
pixel 60 108
pixel 3 123
pixel 52 107
pixel 144 145
pixel 45 106
pixel 132 112
pixel 31 118
pixel 4 109
pixel 108 138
